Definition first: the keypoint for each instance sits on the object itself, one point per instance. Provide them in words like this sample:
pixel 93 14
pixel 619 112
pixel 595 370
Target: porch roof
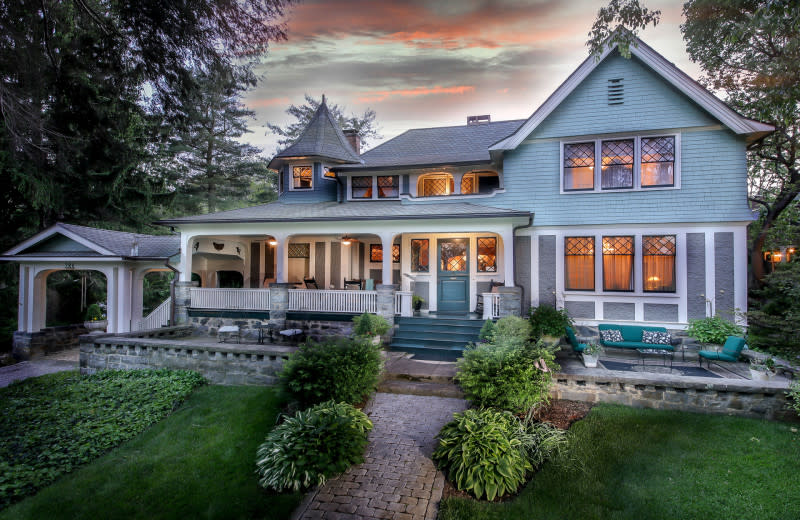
pixel 362 210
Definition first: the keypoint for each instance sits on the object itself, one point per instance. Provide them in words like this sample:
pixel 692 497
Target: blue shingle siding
pixel 324 189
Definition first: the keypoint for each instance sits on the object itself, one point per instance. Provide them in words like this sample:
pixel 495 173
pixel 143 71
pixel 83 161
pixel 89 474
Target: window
pixel 468 184
pixel 302 178
pixel 579 166
pixel 419 255
pixel 658 161
pixel 375 253
pixel 328 173
pixel 618 263
pixel 487 255
pixel 617 168
pixel 658 263
pixel 389 187
pixel 396 253
pixel 579 263
pixel 361 187
pixel 299 250
pixel 434 185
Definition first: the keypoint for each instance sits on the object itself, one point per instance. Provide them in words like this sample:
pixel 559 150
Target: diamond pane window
pixel 658 263
pixel 658 161
pixel 618 263
pixel 487 255
pixel 389 187
pixel 617 170
pixel 419 255
pixel 375 253
pixel 579 263
pixel 468 185
pixel 302 177
pixel 453 255
pixel 396 253
pixel 579 166
pixel 361 187
pixel 439 185
pixel 299 250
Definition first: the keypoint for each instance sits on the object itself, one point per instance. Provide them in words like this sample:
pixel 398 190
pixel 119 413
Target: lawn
pixel 197 463
pixel 651 464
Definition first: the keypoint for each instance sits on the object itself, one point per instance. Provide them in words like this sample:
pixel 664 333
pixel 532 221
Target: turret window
pixel 302 177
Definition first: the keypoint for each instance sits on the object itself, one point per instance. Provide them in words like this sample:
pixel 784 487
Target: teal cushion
pixel 717 356
pixel 580 347
pixel 733 347
pixel 630 332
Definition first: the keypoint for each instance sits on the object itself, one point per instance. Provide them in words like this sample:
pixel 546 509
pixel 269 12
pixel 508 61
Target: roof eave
pixel 411 165
pixel 514 214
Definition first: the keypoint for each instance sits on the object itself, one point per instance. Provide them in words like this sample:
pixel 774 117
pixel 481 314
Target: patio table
pixel 656 352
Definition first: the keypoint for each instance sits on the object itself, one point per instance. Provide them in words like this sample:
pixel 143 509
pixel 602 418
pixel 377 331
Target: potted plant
pixel 762 369
pixel 416 303
pixel 95 319
pixel 591 355
pixel 549 324
pixel 370 325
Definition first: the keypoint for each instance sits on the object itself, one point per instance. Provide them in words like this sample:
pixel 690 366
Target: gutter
pixel 346 218
pixel 175 278
pixel 514 256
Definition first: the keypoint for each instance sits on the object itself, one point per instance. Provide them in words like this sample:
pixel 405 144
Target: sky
pixel 433 63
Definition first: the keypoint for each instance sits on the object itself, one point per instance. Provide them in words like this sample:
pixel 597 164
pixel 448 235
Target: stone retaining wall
pixel 319 330
pixel 704 395
pixel 223 363
pixel 51 339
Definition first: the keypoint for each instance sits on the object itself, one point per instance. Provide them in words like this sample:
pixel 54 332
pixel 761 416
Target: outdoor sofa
pixel 632 337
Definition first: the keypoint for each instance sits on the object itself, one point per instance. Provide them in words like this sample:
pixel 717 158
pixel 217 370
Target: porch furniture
pixel 632 337
pixel 227 332
pixel 293 335
pixel 264 330
pixel 577 346
pixel 353 285
pixel 657 352
pixel 731 351
pixel 369 284
pixel 311 283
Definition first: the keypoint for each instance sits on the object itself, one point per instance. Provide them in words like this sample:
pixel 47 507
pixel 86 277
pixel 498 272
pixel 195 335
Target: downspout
pixel 172 292
pixel 514 255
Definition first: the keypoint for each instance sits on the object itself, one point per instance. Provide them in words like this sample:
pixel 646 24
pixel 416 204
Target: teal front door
pixel 453 274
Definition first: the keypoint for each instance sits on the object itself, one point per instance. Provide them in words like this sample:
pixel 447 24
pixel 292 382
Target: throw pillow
pixel 661 338
pixel 612 336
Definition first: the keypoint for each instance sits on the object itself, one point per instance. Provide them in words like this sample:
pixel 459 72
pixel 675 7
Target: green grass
pixel 197 463
pixel 650 464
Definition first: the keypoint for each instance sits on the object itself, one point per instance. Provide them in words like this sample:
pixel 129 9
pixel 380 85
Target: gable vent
pixel 616 91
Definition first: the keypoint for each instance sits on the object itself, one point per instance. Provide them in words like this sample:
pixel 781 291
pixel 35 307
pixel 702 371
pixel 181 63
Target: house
pixel 623 197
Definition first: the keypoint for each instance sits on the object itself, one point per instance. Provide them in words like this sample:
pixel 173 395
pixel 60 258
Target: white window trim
pixel 374 188
pixel 291 177
pixel 637 163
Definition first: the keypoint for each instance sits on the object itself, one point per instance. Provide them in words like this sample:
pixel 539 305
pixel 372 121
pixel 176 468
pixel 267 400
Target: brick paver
pixel 56 362
pixel 397 480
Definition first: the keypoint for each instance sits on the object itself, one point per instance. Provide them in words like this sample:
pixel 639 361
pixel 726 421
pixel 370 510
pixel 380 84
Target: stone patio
pixel 39 366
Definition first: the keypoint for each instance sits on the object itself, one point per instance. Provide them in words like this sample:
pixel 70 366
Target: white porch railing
pixel 245 299
pixel 402 303
pixel 357 302
pixel 491 306
pixel 156 319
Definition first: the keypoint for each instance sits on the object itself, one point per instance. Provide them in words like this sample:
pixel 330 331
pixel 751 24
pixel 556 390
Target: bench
pixel 632 337
pixel 228 332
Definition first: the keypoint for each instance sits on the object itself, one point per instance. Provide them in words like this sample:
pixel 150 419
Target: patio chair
pixel 352 285
pixel 311 283
pixel 577 346
pixel 370 284
pixel 730 352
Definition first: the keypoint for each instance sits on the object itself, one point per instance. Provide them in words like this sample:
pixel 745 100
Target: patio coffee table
pixel 657 352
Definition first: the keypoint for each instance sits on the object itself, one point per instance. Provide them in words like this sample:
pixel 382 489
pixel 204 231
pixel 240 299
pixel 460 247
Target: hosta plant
pixel 312 446
pixel 712 330
pixel 482 454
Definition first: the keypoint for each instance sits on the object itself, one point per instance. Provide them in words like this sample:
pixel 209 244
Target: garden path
pixel 397 480
pixel 39 366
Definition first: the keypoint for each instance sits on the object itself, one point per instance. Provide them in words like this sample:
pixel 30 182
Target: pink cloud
pixel 268 102
pixel 382 95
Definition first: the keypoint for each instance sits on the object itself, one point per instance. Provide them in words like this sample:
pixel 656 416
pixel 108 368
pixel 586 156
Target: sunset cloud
pixel 382 95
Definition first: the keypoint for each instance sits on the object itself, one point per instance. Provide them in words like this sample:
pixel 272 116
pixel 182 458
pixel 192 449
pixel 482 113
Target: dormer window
pixel 368 187
pixel 435 185
pixel 302 178
pixel 388 187
pixel 362 187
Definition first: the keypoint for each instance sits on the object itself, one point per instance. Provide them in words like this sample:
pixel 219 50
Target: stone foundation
pixel 45 341
pixel 704 395
pixel 319 330
pixel 220 363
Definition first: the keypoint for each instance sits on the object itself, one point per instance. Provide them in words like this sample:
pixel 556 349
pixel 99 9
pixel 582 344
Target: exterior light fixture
pixel 347 240
pixel 273 242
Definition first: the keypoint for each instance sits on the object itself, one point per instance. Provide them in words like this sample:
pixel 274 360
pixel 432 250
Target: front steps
pixel 435 338
pixel 403 375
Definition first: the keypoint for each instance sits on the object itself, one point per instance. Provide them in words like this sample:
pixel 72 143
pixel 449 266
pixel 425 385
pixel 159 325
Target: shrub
pixel 549 321
pixel 712 330
pixel 94 313
pixel 794 397
pixel 776 312
pixel 342 369
pixel 511 331
pixel 312 446
pixel 487 331
pixel 540 441
pixel 503 374
pixel 370 325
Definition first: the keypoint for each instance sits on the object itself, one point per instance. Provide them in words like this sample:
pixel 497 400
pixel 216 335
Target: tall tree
pixel 365 124
pixel 749 50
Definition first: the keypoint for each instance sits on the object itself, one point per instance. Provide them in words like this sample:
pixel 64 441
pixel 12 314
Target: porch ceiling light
pixel 273 242
pixel 347 240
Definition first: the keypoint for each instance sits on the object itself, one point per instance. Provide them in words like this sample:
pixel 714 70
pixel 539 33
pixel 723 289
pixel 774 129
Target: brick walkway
pixel 397 480
pixel 56 362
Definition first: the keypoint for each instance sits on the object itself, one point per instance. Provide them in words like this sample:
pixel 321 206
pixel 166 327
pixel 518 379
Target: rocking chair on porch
pixel 311 283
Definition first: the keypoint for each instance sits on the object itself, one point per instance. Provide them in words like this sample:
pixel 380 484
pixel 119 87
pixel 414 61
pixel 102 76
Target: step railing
pixel 402 303
pixel 240 299
pixel 158 318
pixel 354 302
pixel 491 306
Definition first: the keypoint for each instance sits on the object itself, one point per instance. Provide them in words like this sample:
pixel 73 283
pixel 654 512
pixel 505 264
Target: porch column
pixel 278 304
pixel 187 249
pixel 281 258
pixel 22 311
pixel 183 300
pixel 386 265
pixel 37 301
pixel 386 303
pixel 508 256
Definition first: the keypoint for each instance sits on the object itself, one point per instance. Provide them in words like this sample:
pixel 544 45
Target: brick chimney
pixel 354 139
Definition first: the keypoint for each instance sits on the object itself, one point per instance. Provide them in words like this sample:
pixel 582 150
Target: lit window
pixel 579 263
pixel 396 253
pixel 302 177
pixel 658 161
pixel 329 174
pixel 618 263
pixel 361 187
pixel 435 185
pixel 419 255
pixel 579 166
pixel 487 255
pixel 375 253
pixel 469 184
pixel 389 187
pixel 658 263
pixel 617 165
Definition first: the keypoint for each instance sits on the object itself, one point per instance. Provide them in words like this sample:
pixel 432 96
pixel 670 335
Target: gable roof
pixel 321 137
pixel 441 145
pixel 667 70
pixel 101 242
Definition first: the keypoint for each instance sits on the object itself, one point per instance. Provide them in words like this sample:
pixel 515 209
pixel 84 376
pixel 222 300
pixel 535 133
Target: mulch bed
pixel 560 413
